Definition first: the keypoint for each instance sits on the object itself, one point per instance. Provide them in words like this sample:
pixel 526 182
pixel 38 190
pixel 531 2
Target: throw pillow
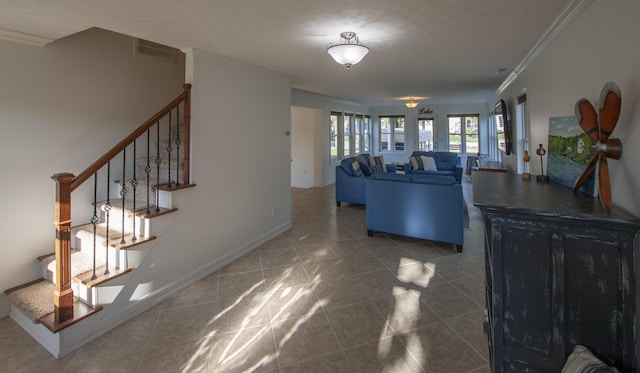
pixel 361 158
pixel 416 163
pixel 582 360
pixel 357 171
pixel 429 163
pixel 365 169
pixel 379 160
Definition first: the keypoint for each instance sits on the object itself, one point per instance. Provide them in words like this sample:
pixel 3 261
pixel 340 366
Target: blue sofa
pixel 350 187
pixel 447 163
pixel 430 207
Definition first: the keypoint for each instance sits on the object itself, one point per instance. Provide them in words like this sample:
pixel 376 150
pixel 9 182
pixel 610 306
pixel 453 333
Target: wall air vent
pixel 149 49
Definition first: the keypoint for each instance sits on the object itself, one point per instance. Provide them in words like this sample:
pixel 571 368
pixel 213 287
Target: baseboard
pixel 126 313
pixel 50 341
pixel 5 306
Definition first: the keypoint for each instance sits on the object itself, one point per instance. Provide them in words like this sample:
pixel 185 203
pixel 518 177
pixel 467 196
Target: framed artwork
pixel 569 152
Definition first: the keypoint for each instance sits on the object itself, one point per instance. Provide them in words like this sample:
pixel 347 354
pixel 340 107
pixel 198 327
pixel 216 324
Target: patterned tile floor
pixel 324 297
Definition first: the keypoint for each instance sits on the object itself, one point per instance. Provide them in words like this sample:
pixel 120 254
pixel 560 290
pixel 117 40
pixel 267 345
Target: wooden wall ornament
pixel 542 178
pixel 599 126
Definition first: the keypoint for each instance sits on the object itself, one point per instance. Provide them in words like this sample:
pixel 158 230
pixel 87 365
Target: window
pixel 493 151
pixel 333 147
pixel 425 134
pixel 347 133
pixel 358 134
pixel 522 133
pixel 350 134
pixel 463 133
pixel 392 133
pixel 366 134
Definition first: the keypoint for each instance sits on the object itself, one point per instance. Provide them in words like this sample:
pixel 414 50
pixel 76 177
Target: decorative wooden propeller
pixel 598 126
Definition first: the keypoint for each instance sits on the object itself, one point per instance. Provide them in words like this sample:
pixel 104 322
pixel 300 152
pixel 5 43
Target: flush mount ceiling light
pixel 349 52
pixel 412 103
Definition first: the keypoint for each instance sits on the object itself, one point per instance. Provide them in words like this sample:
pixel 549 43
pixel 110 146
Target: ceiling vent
pixel 149 49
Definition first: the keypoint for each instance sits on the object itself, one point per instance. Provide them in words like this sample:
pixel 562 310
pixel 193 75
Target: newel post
pixel 63 296
pixel 187 134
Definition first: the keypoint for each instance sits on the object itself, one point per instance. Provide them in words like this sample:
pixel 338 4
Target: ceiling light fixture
pixel 349 52
pixel 412 103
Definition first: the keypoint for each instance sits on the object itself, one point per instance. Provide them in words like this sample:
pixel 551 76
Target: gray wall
pixel 326 104
pixel 306 147
pixel 62 107
pixel 600 45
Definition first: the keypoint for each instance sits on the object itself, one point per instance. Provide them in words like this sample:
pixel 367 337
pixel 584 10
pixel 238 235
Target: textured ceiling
pixel 434 50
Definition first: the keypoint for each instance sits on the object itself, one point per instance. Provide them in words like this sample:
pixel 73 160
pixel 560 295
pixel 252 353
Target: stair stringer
pixel 138 295
pixel 54 342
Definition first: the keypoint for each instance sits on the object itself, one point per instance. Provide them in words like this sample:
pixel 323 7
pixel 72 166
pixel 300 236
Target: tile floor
pixel 323 297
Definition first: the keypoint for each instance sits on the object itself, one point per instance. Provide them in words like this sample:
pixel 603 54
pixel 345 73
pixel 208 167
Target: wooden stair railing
pixel 66 183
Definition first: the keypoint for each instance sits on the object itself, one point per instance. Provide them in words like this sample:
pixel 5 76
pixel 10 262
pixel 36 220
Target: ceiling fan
pixel 598 126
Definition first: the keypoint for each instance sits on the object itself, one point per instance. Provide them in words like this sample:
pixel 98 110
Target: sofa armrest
pixel 349 188
pixel 459 171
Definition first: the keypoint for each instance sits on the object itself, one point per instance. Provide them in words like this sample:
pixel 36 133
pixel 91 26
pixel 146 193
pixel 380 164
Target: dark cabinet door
pixel 527 301
pixel 554 283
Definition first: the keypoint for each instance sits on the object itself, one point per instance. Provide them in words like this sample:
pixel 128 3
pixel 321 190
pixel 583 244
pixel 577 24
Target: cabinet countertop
pixel 509 192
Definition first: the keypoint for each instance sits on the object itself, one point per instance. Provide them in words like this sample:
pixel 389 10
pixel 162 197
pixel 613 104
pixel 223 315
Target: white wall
pixel 440 112
pixel 240 119
pixel 600 45
pixel 62 107
pixel 326 105
pixel 241 199
pixel 306 147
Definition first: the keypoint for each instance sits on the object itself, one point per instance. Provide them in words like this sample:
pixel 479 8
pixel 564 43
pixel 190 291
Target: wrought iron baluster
pixel 158 161
pixel 148 169
pixel 123 190
pixel 169 149
pixel 107 210
pixel 178 145
pixel 94 221
pixel 134 184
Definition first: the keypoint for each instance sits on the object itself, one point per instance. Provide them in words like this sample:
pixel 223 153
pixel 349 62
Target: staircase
pixel 136 192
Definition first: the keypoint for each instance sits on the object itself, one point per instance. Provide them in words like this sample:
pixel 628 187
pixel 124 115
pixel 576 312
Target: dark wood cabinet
pixel 559 272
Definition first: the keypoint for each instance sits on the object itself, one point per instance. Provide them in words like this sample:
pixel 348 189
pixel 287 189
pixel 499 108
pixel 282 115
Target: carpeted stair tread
pixel 34 301
pixel 116 205
pixel 85 232
pixel 81 262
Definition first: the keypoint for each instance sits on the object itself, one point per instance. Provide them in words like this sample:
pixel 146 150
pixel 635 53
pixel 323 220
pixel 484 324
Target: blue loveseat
pixel 430 207
pixel 446 163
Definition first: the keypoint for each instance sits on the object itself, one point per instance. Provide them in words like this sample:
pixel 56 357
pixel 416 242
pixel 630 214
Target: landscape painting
pixel 570 150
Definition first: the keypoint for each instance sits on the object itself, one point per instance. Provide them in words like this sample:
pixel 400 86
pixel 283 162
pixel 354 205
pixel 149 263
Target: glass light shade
pixel 411 103
pixel 348 54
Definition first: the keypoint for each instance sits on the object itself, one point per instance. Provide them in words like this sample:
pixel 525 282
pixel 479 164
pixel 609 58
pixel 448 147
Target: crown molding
pixel 570 12
pixel 24 38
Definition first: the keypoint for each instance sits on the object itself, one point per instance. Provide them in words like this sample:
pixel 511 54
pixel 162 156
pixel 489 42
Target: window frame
pixel 393 133
pixel 463 133
pixel 345 136
pixel 433 132
pixel 522 133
